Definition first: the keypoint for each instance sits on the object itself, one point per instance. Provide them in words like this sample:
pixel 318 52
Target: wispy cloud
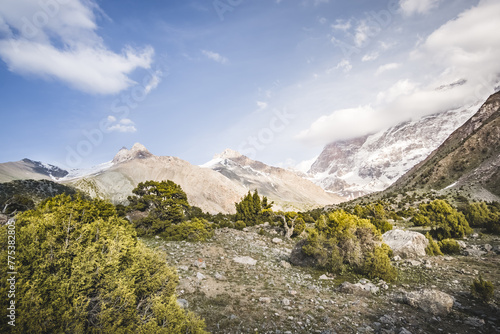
pixel 66 47
pixel 410 7
pixel 387 67
pixel 154 82
pixel 214 56
pixel 124 125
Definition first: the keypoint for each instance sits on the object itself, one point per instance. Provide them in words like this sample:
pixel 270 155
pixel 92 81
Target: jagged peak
pixel 228 154
pixel 138 151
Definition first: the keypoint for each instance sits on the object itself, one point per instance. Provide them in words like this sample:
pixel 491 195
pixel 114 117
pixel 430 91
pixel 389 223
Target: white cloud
pixel 410 7
pixel 370 56
pixel 400 88
pixel 342 25
pixel 60 42
pixel 124 125
pixel 262 105
pixel 154 82
pixel 214 56
pixel 344 65
pixel 342 124
pixel 387 67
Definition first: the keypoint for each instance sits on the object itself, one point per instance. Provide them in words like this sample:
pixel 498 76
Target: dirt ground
pixel 272 296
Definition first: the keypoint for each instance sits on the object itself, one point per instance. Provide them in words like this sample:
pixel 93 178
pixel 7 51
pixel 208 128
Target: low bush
pixel 449 246
pixel 482 289
pixel 240 225
pixel 432 248
pixel 343 242
pixel 382 225
pixel 193 230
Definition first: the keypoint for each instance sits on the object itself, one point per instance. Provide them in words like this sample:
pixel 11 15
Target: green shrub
pixel 420 220
pixel 193 230
pixel 482 289
pixel 343 241
pixel 240 225
pixel 449 246
pixel 299 227
pixel 447 222
pixel 83 270
pixel 382 225
pixel 432 248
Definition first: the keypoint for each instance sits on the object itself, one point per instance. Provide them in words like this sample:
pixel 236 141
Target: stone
pixel 397 258
pixel 220 277
pixel 474 252
pixel 285 302
pixel 265 300
pixel 183 268
pixel 358 288
pixel 434 302
pixel 406 244
pixel 413 263
pixel 285 264
pixel 488 247
pixel 324 277
pixel 183 303
pixel 200 276
pixel 474 322
pixel 245 260
pixel 462 244
pixel 200 264
pixel 404 331
pixel 277 241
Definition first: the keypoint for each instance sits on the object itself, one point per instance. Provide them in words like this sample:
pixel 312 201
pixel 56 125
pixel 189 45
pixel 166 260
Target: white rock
pixel 200 276
pixel 266 300
pixel 245 260
pixel 431 301
pixel 277 240
pixel 406 244
pixel 285 302
pixel 324 277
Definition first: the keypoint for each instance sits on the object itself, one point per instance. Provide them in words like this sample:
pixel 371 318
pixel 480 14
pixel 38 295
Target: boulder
pixel 431 301
pixel 277 241
pixel 183 303
pixel 299 258
pixel 358 288
pixel 245 260
pixel 406 244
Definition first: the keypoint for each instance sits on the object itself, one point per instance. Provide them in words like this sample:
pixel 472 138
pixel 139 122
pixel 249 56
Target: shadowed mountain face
pixel 359 166
pixel 29 169
pixel 469 159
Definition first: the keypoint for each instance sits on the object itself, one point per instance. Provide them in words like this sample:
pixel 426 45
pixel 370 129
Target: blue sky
pixel 276 80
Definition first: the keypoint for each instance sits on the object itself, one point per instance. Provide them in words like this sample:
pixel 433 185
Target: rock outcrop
pixel 406 244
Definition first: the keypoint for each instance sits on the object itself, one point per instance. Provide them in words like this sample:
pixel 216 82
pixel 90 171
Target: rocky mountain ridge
pixel 359 166
pixel 469 159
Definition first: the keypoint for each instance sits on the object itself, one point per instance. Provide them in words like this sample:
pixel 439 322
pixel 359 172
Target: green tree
pixel 165 202
pixel 252 210
pixel 342 241
pixel 446 221
pixel 81 269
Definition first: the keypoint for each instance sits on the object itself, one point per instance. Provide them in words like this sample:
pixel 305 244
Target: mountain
pixel 359 166
pixel 205 188
pixel 469 159
pixel 29 169
pixel 289 190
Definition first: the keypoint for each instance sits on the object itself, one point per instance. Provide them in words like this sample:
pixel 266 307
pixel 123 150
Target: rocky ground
pixel 242 282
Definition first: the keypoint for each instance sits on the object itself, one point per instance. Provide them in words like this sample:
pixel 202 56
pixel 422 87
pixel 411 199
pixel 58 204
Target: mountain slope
pixel 360 166
pixel 29 169
pixel 205 188
pixel 469 158
pixel 287 189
